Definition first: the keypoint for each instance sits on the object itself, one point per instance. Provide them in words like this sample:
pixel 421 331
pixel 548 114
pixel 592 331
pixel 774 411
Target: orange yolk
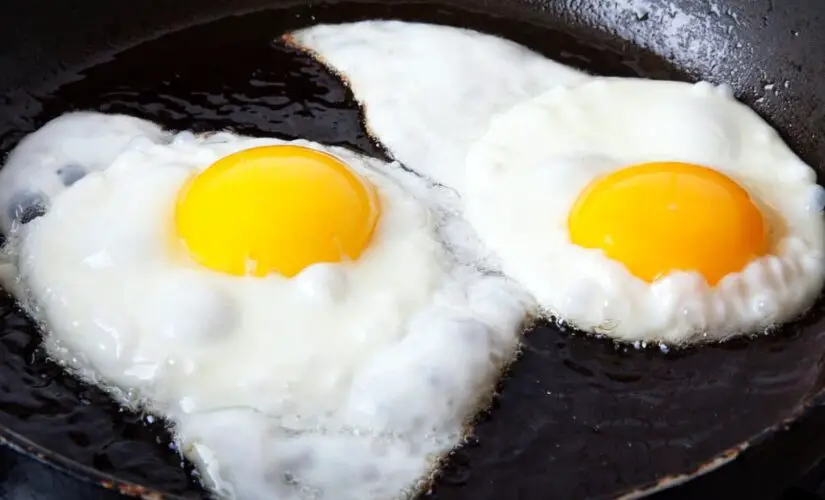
pixel 659 217
pixel 276 209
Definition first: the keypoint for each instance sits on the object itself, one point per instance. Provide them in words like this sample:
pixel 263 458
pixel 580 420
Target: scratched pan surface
pixel 577 417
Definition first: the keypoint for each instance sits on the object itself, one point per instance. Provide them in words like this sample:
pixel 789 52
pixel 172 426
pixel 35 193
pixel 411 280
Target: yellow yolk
pixel 276 209
pixel 659 217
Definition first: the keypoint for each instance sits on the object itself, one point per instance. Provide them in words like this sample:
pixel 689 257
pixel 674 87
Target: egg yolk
pixel 659 217
pixel 276 209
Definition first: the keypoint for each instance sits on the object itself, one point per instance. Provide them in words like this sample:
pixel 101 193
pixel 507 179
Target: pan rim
pixel 83 473
pixel 106 481
pixel 813 402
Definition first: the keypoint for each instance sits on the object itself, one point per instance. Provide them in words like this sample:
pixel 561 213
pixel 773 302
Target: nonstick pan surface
pixel 577 416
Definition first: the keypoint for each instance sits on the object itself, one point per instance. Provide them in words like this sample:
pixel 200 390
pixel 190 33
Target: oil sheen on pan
pixel 576 416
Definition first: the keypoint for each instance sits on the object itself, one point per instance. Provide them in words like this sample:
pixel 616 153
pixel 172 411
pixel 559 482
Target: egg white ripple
pixel 525 174
pixel 428 91
pixel 382 361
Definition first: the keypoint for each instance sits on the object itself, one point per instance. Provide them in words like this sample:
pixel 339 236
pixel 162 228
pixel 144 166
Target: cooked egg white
pixel 59 154
pixel 347 377
pixel 429 91
pixel 649 210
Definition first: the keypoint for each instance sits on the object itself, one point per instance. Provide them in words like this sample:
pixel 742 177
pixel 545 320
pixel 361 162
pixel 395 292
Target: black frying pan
pixel 577 417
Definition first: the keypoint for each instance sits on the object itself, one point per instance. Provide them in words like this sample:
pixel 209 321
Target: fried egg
pixel 649 210
pixel 428 91
pixel 282 303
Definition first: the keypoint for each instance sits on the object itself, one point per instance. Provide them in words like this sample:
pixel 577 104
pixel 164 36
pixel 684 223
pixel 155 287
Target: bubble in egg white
pixel 816 199
pixel 703 88
pixel 183 137
pixel 725 90
pixel 324 283
pixel 70 174
pixel 140 143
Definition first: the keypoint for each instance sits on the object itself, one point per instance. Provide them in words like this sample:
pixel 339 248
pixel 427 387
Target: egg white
pixel 428 91
pixel 524 175
pixel 60 153
pixel 270 383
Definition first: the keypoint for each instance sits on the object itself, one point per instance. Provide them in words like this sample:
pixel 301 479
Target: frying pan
pixel 577 417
